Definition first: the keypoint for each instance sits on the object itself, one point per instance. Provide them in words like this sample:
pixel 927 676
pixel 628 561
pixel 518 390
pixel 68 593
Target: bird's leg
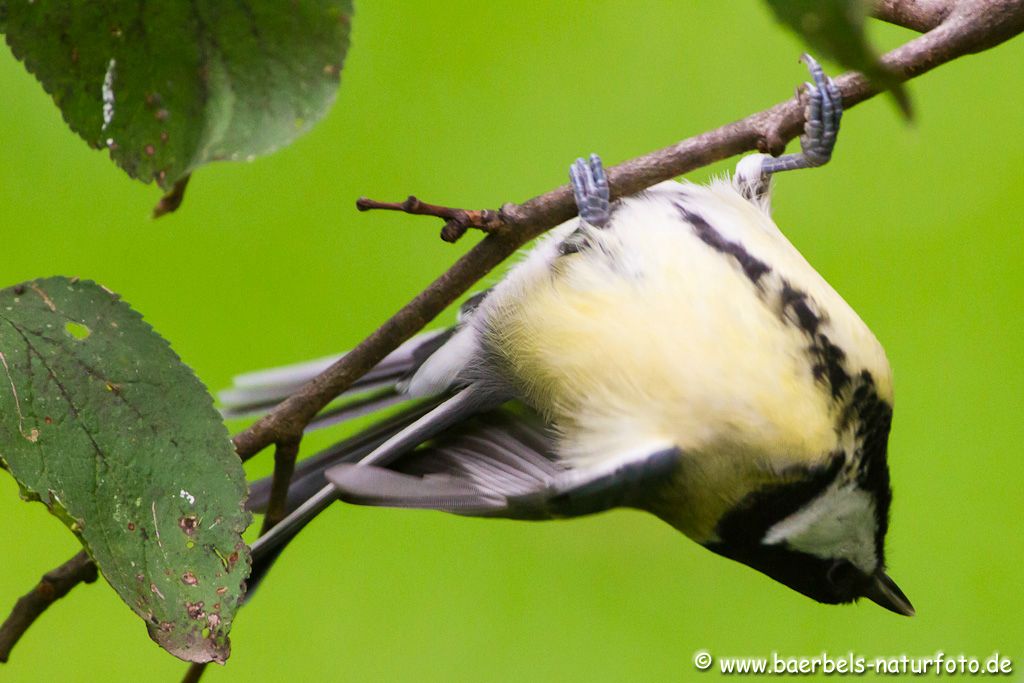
pixel 821 124
pixel 821 127
pixel 590 186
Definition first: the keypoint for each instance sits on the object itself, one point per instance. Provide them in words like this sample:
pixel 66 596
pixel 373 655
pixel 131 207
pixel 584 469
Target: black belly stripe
pixel 471 304
pixel 796 301
pixel 753 267
pixel 576 241
pixel 829 364
pixel 828 360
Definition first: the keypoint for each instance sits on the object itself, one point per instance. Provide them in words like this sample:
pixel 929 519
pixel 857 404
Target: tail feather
pixel 267 548
pixel 365 405
pixel 256 392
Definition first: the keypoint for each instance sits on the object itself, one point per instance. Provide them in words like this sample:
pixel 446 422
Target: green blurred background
pixel 476 104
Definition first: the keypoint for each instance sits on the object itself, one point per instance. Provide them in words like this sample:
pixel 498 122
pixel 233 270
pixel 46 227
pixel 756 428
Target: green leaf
pixel 835 29
pixel 169 86
pixel 101 421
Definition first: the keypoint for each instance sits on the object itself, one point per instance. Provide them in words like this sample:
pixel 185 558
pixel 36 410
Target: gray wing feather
pixel 471 470
pixel 380 486
pixel 350 410
pixel 627 485
pixel 502 464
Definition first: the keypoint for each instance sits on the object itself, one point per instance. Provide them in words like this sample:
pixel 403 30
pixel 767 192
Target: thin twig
pixel 456 221
pixel 54 585
pixel 284 466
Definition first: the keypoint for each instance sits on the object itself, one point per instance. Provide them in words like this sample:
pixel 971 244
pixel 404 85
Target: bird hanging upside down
pixel 670 351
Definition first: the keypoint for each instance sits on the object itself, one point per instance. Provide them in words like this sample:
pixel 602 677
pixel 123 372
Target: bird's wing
pixel 501 464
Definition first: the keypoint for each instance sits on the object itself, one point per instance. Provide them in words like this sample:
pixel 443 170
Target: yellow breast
pixel 653 335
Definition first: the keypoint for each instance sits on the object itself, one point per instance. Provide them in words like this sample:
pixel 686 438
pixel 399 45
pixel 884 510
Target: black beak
pixel 883 591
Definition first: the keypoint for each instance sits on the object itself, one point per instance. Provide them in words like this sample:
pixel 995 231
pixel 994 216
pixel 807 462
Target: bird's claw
pixel 822 114
pixel 590 187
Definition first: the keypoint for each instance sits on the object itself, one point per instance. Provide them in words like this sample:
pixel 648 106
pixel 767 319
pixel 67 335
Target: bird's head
pixel 822 532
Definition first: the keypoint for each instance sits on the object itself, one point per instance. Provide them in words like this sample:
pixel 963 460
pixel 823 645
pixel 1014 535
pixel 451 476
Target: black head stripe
pixel 748 522
pixel 741 532
pixel 873 419
pixel 820 579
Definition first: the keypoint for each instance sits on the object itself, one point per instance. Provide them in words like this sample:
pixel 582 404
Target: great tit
pixel 670 351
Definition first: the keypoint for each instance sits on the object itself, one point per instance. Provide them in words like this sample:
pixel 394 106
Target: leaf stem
pixel 170 202
pixel 194 673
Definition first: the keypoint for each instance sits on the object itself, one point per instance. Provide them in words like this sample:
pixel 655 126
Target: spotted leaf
pixel 102 422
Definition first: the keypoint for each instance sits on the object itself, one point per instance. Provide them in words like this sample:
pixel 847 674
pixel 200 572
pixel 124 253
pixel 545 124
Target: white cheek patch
pixel 840 523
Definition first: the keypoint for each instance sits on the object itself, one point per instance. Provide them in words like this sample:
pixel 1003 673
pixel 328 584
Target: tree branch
pixel 919 15
pixel 971 26
pixel 54 585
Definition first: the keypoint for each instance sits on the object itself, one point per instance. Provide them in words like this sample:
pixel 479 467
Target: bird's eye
pixel 842 574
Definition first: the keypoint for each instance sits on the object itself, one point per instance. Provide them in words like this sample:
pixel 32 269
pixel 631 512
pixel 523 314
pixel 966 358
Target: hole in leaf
pixel 77 330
